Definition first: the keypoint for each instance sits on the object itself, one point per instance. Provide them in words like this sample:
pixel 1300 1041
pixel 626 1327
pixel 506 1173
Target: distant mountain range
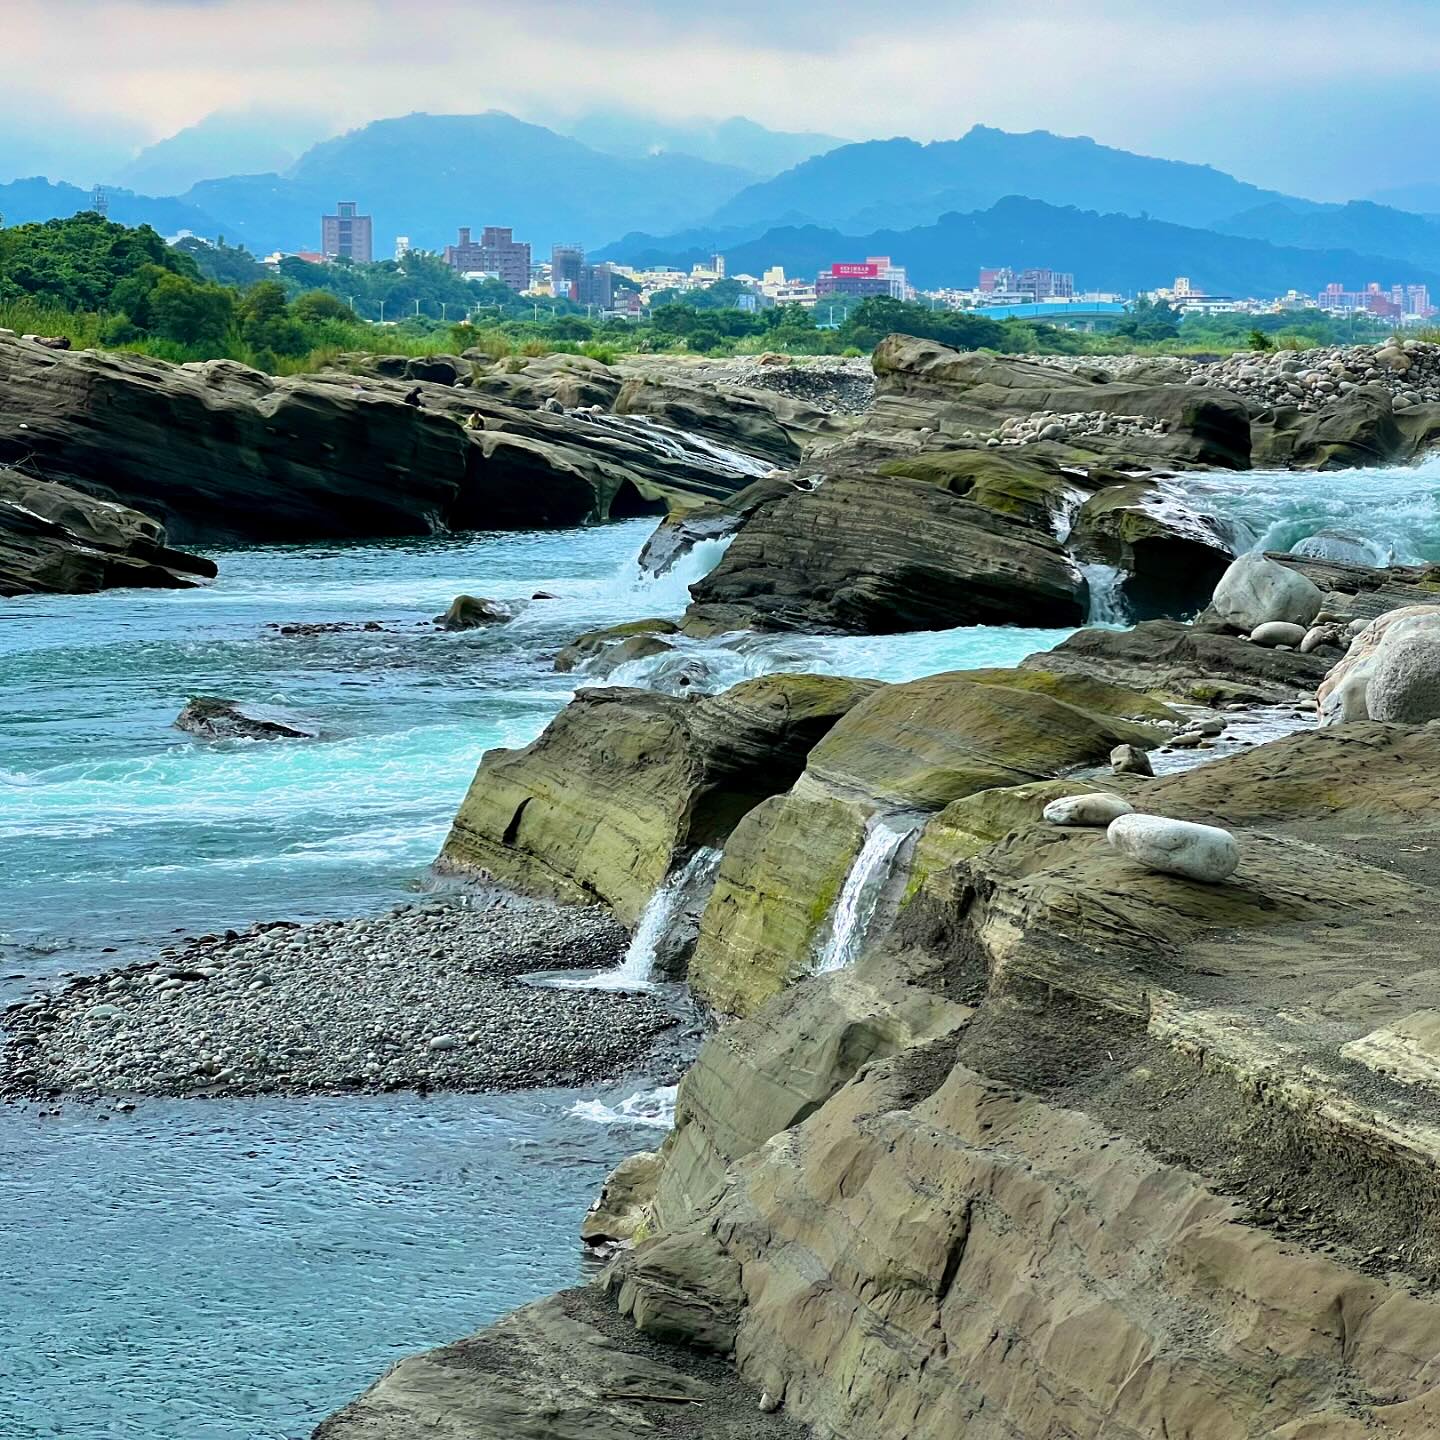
pixel 424 176
pixel 737 142
pixel 1117 220
pixel 1106 252
pixel 902 183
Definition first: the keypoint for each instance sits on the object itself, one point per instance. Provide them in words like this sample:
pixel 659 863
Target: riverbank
pixel 428 997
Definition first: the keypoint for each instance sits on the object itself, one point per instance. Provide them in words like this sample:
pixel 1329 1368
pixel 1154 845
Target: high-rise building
pixel 402 246
pixel 496 253
pixel 596 286
pixel 566 263
pixel 346 235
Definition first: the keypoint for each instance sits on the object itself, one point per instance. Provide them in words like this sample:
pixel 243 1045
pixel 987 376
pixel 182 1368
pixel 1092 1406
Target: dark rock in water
pixel 544 595
pixel 58 540
pixel 1172 556
pixel 470 612
pixel 876 554
pixel 215 718
pixel 594 642
pixel 327 627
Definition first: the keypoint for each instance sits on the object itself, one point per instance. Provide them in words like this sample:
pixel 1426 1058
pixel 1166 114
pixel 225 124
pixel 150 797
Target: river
pixel 235 1270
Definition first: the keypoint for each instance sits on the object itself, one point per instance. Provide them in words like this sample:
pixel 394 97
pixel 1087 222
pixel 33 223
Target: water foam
pixel 652 1108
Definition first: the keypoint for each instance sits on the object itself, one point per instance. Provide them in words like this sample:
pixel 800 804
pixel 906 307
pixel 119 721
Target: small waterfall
pixel 636 970
pixel 1107 595
pixel 860 895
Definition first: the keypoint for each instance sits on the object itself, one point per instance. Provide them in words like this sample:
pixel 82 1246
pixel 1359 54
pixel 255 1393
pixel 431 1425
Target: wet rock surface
pixel 214 718
pixel 429 996
pixel 55 539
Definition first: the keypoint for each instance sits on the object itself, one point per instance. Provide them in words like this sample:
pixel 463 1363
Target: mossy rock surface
pixel 905 749
pixel 1028 490
pixel 622 781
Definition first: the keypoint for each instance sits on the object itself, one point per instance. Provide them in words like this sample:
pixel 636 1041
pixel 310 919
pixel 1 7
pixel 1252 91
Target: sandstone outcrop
pixel 1071 1149
pixel 905 751
pixel 624 782
pixel 1199 662
pixel 921 385
pixel 876 554
pixel 220 453
pixel 56 539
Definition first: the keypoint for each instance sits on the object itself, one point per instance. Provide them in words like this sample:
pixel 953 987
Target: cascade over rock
pixel 910 748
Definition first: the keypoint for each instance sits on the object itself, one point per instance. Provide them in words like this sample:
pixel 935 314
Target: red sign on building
pixel 856 270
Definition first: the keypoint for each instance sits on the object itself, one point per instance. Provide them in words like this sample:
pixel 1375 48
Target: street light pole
pixel 382 312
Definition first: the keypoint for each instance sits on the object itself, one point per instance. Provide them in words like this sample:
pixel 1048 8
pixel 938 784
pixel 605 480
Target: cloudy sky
pixel 1321 98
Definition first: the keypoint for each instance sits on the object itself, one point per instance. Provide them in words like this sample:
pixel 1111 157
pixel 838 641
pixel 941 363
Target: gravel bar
pixel 426 997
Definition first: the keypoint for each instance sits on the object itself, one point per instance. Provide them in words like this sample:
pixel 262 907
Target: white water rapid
pixel 860 895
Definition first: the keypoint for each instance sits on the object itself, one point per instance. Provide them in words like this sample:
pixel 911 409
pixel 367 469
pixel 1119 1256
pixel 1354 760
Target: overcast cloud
pixel 1323 99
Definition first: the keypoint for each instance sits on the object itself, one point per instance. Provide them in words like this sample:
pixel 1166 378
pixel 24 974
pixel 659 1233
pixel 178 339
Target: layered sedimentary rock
pixel 622 782
pixel 905 751
pixel 56 539
pixel 924 386
pixel 872 553
pixel 1073 1148
pixel 218 452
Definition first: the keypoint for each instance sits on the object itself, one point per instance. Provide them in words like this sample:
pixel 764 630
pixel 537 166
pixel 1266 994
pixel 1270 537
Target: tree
pixel 77 262
pixel 1150 320
pixel 201 316
pixel 315 306
pixel 875 318
pixel 266 324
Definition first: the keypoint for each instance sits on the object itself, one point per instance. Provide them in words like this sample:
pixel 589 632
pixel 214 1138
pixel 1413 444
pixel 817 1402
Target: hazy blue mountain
pixel 228 142
pixel 737 141
pixel 1358 225
pixel 426 175
pixel 25 201
pixel 1424 198
pixel 1111 252
pixel 903 182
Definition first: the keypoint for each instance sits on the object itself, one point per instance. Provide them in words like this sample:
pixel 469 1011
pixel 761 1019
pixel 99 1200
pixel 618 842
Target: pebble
pixel 1097 809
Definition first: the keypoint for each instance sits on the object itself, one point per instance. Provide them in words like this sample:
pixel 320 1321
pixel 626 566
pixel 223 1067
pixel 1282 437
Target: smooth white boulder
pixel 1404 685
pixel 1278 632
pixel 1402 646
pixel 1255 591
pixel 1095 809
pixel 1176 847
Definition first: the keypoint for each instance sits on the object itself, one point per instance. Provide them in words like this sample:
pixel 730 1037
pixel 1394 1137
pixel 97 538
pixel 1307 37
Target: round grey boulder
pixel 1254 591
pixel 1096 810
pixel 1130 760
pixel 1278 632
pixel 1404 685
pixel 1176 847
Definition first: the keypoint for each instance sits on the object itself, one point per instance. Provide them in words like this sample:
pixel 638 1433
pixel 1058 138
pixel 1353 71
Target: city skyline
pixel 1110 69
